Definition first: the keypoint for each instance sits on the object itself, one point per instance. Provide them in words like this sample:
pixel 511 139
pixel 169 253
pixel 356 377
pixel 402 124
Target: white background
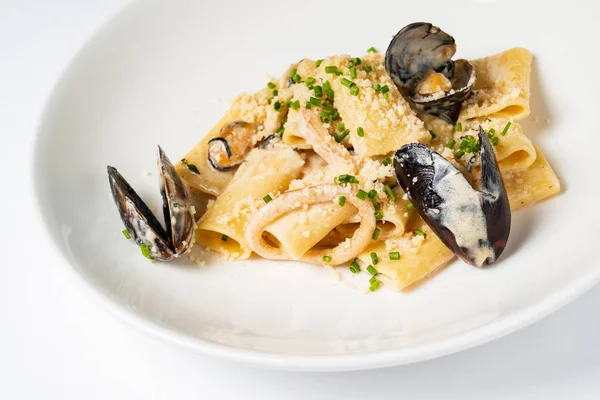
pixel 56 344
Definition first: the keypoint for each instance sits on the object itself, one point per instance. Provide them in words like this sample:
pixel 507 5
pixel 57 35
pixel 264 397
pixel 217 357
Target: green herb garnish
pixel 361 194
pixel 420 233
pixel 189 166
pixel 390 193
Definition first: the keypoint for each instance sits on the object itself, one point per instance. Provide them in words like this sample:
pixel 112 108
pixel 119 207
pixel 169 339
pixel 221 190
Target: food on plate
pixel 391 164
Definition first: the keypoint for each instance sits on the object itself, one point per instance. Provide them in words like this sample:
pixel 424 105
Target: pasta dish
pixel 387 164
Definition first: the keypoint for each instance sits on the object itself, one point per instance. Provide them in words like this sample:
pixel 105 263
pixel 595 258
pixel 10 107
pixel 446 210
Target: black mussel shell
pixel 442 196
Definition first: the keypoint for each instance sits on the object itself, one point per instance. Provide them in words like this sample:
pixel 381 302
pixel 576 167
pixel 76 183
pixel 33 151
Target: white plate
pixel 161 73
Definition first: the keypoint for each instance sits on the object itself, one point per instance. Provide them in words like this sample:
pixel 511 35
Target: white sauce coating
pixel 461 211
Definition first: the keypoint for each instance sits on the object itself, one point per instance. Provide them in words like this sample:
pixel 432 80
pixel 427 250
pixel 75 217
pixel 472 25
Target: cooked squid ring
pixel 294 199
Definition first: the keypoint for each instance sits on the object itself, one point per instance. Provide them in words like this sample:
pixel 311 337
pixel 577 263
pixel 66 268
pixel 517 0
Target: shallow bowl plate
pixel 163 72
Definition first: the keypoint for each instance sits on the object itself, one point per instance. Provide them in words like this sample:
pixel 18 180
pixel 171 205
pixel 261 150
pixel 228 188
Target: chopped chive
pixel 295 105
pixel 374 286
pixel 354 267
pixel 342 136
pixel 277 105
pixel 458 127
pixel 377 87
pixel 297 78
pixel 451 143
pixel 331 69
pixel 189 166
pixel 372 193
pixel 420 233
pixel 385 89
pixel 288 102
pixel 360 131
pixel 326 259
pixel 353 72
pixel 146 251
pixel 330 95
pixel 386 161
pixel 325 117
pixel 267 198
pixel 294 71
pixel 342 201
pixel 492 131
pixel 326 86
pixel 224 238
pixel 371 270
pixel 329 107
pixel 315 101
pixel 318 63
pixel 346 82
pixel 372 50
pixel 376 234
pixel 310 81
pixel 335 116
pixel 373 279
pixel 495 141
pixel 361 194
pixel 376 205
pixel 275 92
pixel 367 68
pixel 308 105
pixel 394 255
pixel 390 193
pixel 378 215
pixel 505 130
pixel 271 85
pixel 459 154
pixel 374 258
pixel 341 127
pixel 410 206
pixel 386 95
pixel 126 234
pixel 318 91
pixel 433 135
pixel 354 90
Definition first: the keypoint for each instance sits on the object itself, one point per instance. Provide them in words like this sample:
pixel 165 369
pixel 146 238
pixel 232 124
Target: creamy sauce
pixel 461 212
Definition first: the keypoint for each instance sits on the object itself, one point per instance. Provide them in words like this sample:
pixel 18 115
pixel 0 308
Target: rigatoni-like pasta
pixel 327 130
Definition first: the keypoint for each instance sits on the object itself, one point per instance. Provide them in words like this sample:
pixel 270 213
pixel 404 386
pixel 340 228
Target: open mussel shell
pixel 140 222
pixel 163 243
pixel 177 210
pixel 448 104
pixel 227 151
pixel 474 225
pixel 416 49
pixel 420 49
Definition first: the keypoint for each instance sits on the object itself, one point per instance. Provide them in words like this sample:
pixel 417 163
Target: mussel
pixel 157 242
pixel 419 61
pixel 474 224
pixel 228 150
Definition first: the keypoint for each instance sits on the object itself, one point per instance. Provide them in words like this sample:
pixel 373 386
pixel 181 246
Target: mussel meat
pixel 228 150
pixel 419 61
pixel 474 224
pixel 160 243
